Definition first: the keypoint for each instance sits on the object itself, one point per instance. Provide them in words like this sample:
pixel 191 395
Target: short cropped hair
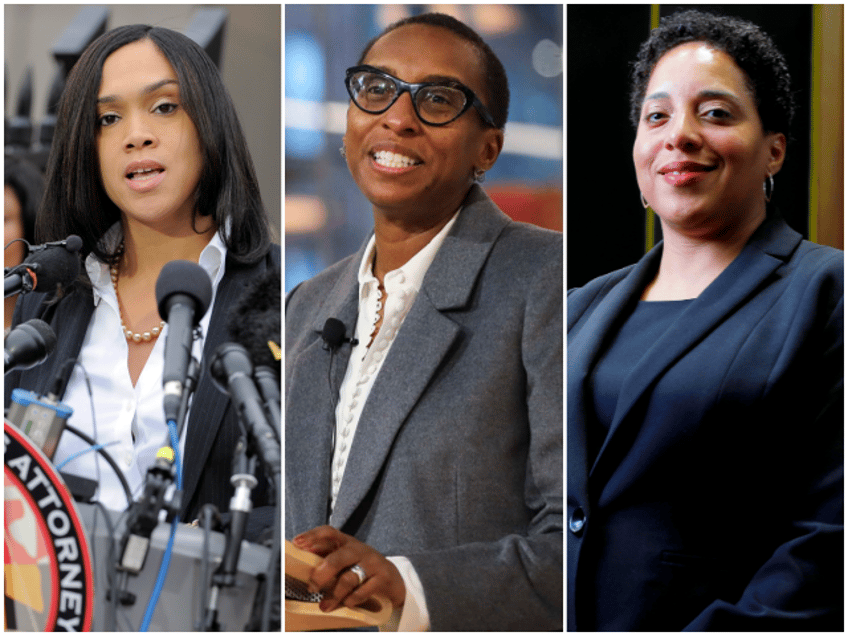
pixel 753 51
pixel 75 201
pixel 495 81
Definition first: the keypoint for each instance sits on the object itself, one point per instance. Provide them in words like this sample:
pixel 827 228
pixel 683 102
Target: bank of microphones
pixel 46 267
pixel 247 369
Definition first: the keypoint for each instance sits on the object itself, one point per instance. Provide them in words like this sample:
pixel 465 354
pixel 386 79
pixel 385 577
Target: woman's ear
pixel 777 152
pixel 490 148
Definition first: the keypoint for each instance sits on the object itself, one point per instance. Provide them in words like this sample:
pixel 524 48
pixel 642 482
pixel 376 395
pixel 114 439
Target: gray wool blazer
pixel 457 459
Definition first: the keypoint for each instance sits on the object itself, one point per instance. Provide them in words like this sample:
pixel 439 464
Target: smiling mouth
pixel 144 173
pixel 686 168
pixel 389 159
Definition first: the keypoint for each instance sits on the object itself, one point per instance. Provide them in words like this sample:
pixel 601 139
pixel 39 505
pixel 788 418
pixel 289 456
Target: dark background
pixel 605 219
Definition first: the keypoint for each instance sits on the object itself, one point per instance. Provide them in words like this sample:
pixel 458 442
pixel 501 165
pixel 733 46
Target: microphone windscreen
pixel 28 344
pixel 256 319
pixel 183 277
pixel 333 332
pixel 45 331
pixel 53 266
pixel 73 243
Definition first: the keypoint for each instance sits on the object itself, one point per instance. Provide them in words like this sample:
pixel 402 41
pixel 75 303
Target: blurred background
pixel 607 226
pixel 326 216
pixel 42 42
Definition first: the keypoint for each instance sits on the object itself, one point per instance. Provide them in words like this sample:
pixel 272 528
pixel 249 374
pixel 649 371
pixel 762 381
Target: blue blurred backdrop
pixel 326 217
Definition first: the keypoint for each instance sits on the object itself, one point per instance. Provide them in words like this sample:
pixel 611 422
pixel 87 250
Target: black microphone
pixel 183 294
pixel 232 371
pixel 28 345
pixel 255 324
pixel 333 335
pixel 46 267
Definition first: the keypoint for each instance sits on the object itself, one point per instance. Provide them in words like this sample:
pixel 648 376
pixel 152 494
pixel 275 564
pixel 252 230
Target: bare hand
pixel 333 577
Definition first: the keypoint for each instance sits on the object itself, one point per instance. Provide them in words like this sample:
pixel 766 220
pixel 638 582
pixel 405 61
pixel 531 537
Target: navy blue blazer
pixel 206 465
pixel 715 501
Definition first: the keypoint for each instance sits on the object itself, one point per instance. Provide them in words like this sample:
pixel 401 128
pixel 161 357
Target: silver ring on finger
pixel 359 572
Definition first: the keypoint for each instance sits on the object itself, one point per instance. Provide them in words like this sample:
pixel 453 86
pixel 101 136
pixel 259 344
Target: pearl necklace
pixel 147 336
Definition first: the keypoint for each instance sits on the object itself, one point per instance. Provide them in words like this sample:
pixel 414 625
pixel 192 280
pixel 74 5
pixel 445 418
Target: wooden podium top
pixel 303 616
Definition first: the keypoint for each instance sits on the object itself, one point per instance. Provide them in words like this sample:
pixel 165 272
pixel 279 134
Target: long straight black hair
pixel 74 200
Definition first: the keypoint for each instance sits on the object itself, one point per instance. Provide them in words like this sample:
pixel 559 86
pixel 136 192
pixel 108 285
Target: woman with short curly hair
pixel 705 381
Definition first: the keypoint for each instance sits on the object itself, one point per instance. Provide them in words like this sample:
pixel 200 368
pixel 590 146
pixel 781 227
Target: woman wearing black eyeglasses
pixel 424 445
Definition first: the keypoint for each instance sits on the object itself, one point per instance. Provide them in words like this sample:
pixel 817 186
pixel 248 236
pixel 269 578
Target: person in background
pixel 23 186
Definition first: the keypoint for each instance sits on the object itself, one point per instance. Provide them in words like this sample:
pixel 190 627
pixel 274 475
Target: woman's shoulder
pixel 814 258
pixel 319 286
pixel 531 237
pixel 597 287
pixel 523 251
pixel 43 305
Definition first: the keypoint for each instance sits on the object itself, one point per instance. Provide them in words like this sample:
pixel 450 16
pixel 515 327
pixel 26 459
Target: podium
pixel 57 565
pixel 179 606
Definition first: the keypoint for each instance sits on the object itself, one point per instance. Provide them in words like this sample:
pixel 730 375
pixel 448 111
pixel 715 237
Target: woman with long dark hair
pixel 148 165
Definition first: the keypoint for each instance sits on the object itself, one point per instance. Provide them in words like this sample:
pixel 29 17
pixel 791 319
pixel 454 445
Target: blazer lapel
pixel 422 343
pixel 582 353
pixel 70 324
pixel 767 250
pixel 310 407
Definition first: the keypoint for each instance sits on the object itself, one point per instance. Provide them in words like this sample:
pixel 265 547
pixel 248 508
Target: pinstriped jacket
pixel 457 458
pixel 206 466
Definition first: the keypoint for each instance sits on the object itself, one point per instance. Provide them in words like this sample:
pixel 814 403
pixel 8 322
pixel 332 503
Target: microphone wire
pixel 332 400
pixel 96 447
pixel 270 574
pixel 84 437
pixel 166 559
pixel 160 580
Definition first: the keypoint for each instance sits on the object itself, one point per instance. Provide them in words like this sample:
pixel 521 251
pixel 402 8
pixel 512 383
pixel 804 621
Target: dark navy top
pixel 642 328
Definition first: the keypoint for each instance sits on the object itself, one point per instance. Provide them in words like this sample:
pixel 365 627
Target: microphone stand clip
pixel 144 513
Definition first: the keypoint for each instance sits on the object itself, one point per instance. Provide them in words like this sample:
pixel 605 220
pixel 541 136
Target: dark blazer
pixel 457 459
pixel 206 465
pixel 715 502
